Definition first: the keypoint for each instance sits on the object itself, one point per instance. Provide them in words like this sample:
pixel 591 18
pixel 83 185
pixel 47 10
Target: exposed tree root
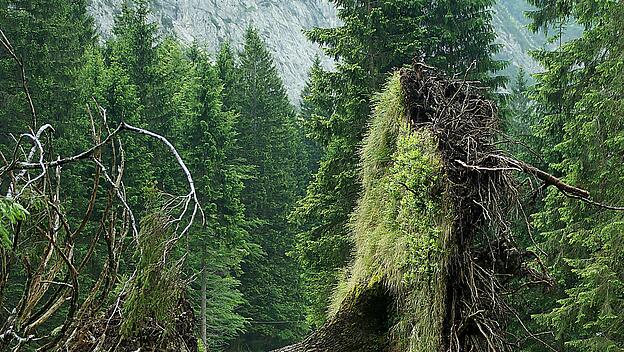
pixel 482 256
pixel 360 325
pixel 104 334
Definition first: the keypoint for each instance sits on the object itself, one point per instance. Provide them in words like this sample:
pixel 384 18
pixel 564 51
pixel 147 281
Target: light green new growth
pixel 402 224
pixel 10 214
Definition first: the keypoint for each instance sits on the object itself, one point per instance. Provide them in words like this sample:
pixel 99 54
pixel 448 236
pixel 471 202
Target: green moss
pixel 154 291
pixel 401 225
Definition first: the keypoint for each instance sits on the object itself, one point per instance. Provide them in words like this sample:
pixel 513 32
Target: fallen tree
pixel 149 311
pixel 54 294
pixel 434 252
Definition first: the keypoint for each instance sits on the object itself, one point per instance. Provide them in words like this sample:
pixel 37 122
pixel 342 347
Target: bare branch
pixel 81 156
pixel 548 179
pixel 192 194
pixel 483 168
pixel 122 199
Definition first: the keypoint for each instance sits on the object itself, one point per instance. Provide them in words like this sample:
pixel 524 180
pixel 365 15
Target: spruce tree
pixel 50 39
pixel 208 139
pixel 177 93
pixel 315 254
pixel 131 58
pixel 581 129
pixel 269 144
pixel 226 67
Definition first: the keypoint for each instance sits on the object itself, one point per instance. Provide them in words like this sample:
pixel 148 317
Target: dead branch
pixel 42 283
pixel 548 180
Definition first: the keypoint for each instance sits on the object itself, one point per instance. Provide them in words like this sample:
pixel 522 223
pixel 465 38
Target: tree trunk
pixel 360 325
pixel 203 301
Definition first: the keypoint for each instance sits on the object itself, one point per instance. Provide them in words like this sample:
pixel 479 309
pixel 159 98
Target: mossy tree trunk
pixel 360 325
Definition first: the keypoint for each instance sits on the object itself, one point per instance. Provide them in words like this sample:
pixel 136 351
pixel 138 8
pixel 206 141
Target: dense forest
pixel 156 195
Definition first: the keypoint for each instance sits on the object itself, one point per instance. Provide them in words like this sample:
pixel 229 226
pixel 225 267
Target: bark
pixel 203 301
pixel 360 325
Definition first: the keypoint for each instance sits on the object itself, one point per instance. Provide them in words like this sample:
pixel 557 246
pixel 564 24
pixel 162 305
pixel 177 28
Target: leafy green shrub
pixel 11 213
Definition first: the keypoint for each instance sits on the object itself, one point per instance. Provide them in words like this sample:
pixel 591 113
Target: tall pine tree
pixel 270 144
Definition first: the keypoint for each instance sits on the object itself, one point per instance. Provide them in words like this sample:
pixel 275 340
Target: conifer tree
pixel 135 45
pixel 581 130
pixel 315 255
pixel 50 39
pixel 226 67
pixel 177 93
pixel 269 144
pixel 131 57
pixel 209 141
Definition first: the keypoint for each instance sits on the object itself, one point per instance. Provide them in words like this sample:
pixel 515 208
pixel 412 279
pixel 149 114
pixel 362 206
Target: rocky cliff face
pixel 511 27
pixel 210 22
pixel 281 22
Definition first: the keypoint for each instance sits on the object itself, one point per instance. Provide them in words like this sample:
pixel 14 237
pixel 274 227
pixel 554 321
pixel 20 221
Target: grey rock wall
pixel 281 22
pixel 210 22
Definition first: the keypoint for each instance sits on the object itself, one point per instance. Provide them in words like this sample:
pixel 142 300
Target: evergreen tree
pixel 209 141
pixel 226 67
pixel 177 93
pixel 377 37
pixel 269 143
pixel 581 128
pixel 520 115
pixel 315 256
pixel 316 101
pixel 51 40
pixel 131 58
pixel 135 44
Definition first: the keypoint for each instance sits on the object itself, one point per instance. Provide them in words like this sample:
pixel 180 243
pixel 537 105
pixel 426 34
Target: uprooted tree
pixel 435 256
pixel 53 294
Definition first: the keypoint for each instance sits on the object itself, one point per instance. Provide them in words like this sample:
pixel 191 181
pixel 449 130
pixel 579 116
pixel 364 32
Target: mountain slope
pixel 511 27
pixel 210 22
pixel 281 22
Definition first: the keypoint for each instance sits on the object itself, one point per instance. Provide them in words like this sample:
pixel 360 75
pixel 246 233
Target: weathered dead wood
pixel 52 278
pixel 360 325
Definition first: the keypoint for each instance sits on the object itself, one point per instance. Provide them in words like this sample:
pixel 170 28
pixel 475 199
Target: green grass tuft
pixel 402 224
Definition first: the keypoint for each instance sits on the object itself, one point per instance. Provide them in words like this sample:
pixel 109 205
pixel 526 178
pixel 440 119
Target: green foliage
pixel 317 101
pixel 50 37
pixel 271 145
pixel 582 137
pixel 177 92
pixel 400 225
pixel 10 214
pixel 209 143
pixel 154 83
pixel 226 68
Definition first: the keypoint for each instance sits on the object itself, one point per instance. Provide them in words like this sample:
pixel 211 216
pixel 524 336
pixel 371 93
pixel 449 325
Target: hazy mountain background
pixel 281 22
